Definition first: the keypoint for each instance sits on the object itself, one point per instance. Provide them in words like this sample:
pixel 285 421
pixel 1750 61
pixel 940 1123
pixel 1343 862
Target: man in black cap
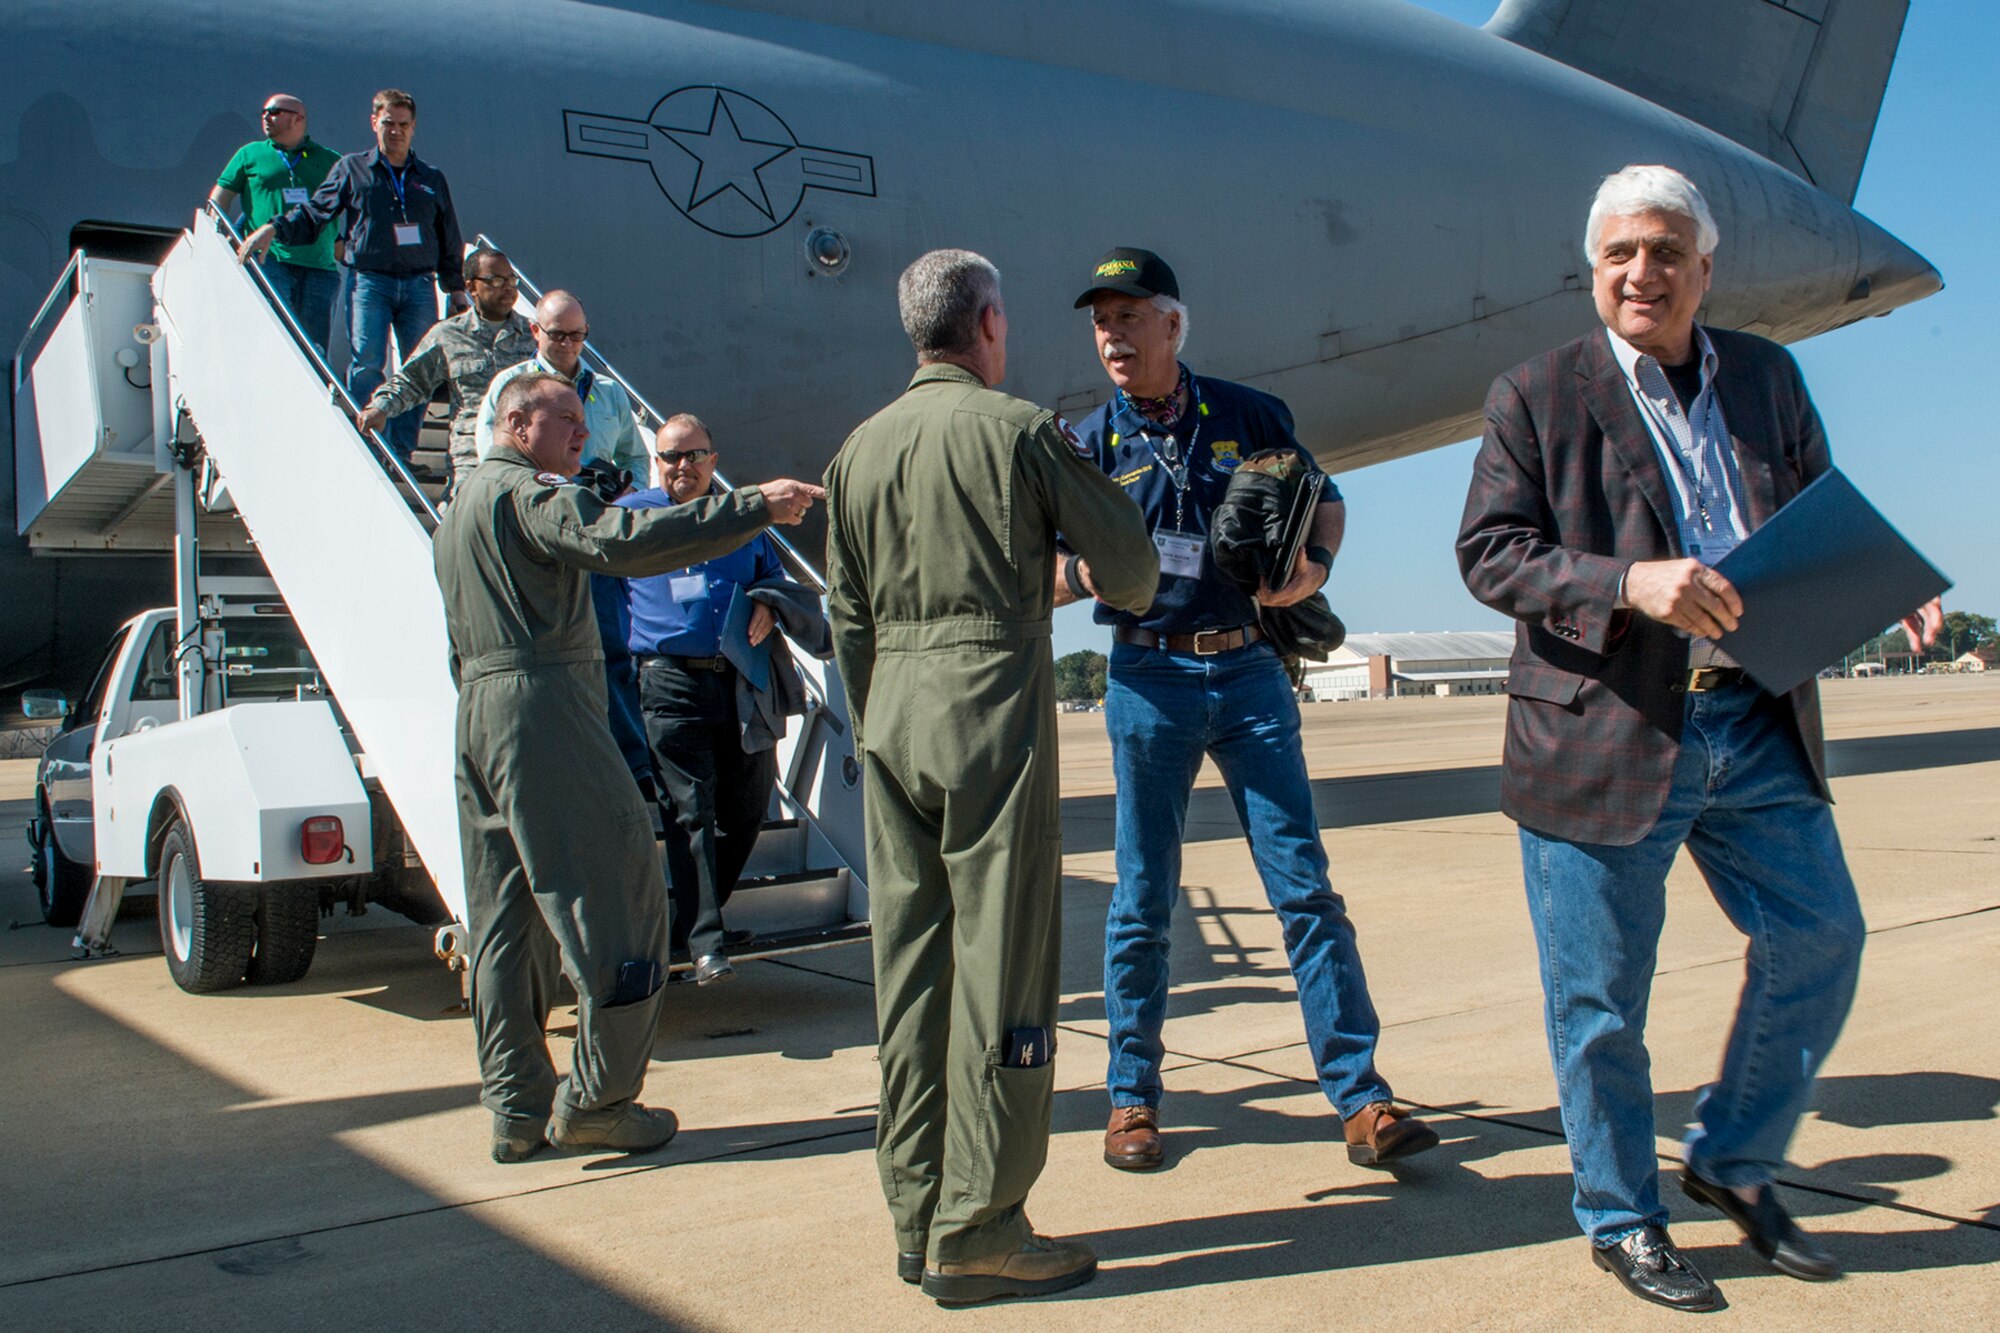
pixel 1190 677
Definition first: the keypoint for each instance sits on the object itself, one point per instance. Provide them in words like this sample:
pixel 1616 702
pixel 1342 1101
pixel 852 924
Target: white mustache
pixel 1118 349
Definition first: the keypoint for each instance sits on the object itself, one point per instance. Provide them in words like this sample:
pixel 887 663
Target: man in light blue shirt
pixel 560 330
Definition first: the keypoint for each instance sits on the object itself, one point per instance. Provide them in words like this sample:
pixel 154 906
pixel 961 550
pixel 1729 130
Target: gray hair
pixel 519 393
pixel 1649 189
pixel 1173 307
pixel 687 421
pixel 942 296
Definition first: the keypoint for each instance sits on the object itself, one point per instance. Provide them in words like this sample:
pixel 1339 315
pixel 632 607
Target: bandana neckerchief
pixel 1162 411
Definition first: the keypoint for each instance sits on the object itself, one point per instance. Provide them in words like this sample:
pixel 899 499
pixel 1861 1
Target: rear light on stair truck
pixel 321 840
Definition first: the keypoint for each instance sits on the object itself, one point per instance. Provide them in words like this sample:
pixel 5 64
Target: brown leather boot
pixel 1381 1132
pixel 1042 1265
pixel 1132 1140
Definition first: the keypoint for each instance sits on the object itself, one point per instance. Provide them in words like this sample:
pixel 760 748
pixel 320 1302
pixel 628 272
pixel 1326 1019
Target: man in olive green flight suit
pixel 942 516
pixel 560 864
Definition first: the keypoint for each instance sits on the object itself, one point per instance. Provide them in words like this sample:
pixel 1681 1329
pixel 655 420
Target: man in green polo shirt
pixel 269 176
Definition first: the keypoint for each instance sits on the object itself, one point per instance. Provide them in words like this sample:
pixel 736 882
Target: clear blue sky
pixel 1900 395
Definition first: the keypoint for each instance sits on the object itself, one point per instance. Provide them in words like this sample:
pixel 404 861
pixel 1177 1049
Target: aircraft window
pixel 92 703
pixel 155 680
pixel 265 660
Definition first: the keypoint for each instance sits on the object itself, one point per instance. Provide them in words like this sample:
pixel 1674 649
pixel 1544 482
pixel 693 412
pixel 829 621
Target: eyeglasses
pixel 271 111
pixel 566 335
pixel 672 457
pixel 502 280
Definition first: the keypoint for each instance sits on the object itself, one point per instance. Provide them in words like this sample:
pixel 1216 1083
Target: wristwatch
pixel 1320 556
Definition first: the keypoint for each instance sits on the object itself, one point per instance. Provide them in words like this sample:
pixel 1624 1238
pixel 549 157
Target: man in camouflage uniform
pixel 466 352
pixel 560 863
pixel 941 557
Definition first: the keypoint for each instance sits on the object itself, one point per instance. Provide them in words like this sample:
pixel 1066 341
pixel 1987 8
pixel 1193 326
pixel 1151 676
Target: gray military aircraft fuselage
pixel 1372 209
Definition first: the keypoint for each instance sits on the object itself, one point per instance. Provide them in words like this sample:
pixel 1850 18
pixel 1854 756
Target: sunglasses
pixel 671 457
pixel 566 335
pixel 271 111
pixel 501 280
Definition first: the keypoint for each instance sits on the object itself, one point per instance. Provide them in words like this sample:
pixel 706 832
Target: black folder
pixel 1298 527
pixel 1823 577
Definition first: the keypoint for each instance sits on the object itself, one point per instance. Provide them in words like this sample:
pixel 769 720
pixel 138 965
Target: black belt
pixel 685 663
pixel 1700 680
pixel 1206 643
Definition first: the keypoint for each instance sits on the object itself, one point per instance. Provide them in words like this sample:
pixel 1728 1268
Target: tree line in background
pixel 1080 676
pixel 1962 633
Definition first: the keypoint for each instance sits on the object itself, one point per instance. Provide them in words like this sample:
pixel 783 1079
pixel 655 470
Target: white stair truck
pixel 279 741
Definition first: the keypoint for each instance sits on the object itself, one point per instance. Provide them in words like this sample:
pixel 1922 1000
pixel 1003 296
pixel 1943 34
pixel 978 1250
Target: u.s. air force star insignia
pixel 1075 441
pixel 552 479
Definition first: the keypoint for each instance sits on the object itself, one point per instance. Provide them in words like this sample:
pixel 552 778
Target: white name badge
pixel 409 233
pixel 294 197
pixel 1180 554
pixel 688 587
pixel 1713 546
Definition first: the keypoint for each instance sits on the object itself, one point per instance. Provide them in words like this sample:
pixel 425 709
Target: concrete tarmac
pixel 312 1156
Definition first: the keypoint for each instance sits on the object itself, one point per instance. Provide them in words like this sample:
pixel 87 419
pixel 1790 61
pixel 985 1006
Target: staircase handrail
pixel 374 438
pixel 803 568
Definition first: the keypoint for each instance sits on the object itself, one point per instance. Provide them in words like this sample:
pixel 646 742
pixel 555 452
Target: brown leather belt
pixel 1206 643
pixel 1702 679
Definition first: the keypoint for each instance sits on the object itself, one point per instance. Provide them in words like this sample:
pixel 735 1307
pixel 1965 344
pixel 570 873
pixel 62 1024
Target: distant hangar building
pixel 1389 666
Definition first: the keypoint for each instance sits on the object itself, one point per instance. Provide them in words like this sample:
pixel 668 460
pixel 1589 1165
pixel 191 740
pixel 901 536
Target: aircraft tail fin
pixel 1799 81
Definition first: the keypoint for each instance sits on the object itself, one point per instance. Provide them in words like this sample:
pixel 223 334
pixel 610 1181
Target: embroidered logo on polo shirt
pixel 1226 454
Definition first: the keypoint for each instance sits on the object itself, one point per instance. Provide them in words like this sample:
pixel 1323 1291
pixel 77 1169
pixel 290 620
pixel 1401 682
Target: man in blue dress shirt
pixel 716 795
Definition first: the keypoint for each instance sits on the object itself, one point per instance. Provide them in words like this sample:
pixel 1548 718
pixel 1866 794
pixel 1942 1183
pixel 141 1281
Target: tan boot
pixel 1132 1139
pixel 632 1128
pixel 516 1139
pixel 1042 1265
pixel 1381 1132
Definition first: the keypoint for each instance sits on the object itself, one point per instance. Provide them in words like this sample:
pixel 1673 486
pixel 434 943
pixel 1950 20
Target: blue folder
pixel 1819 580
pixel 754 663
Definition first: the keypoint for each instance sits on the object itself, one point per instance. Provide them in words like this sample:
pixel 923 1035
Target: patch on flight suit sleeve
pixel 1075 441
pixel 551 479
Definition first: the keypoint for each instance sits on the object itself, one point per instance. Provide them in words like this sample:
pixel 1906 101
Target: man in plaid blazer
pixel 1615 471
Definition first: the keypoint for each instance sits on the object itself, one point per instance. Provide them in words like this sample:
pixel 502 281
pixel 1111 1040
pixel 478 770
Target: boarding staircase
pixel 146 370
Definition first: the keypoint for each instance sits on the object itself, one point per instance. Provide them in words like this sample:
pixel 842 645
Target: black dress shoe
pixel 1768 1227
pixel 910 1266
pixel 1652 1268
pixel 712 967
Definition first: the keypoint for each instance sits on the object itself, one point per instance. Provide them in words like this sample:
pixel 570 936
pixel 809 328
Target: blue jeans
pixel 1164 711
pixel 309 294
pixel 1743 803
pixel 381 301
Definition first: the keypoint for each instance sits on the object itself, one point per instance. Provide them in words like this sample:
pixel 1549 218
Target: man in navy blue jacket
pixel 402 241
pixel 1194 677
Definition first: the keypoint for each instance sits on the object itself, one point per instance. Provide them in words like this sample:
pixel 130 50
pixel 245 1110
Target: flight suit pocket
pixel 1014 1108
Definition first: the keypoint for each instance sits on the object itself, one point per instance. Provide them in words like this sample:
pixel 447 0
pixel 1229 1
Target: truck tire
pixel 287 934
pixel 206 930
pixel 62 885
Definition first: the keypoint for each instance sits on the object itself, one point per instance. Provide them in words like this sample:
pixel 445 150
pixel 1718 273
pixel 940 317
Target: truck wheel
pixel 206 930
pixel 287 933
pixel 62 885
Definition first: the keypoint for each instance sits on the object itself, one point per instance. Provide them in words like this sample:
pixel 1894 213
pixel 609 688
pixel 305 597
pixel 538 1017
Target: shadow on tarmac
pixel 1090 822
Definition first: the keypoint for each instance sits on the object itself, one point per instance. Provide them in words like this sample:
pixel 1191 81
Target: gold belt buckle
pixel 1212 635
pixel 1703 679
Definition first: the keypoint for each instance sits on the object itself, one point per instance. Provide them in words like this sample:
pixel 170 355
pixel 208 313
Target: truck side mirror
pixel 44 705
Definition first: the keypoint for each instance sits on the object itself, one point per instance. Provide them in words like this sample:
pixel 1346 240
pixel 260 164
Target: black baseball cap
pixel 1131 272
